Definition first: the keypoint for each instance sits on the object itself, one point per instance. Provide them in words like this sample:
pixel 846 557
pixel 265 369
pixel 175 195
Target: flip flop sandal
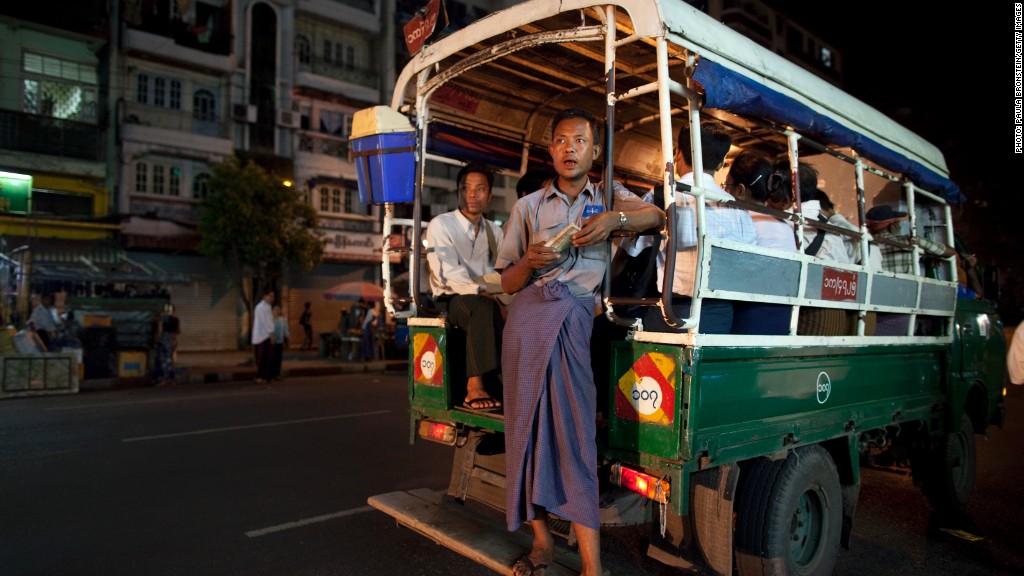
pixel 525 567
pixel 480 404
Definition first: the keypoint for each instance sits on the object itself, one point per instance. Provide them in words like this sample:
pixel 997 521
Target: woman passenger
pixel 751 178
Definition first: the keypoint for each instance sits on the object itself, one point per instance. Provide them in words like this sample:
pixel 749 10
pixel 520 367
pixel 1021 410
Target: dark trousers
pixel 264 358
pixel 276 355
pixel 480 317
pixel 715 315
pixel 367 343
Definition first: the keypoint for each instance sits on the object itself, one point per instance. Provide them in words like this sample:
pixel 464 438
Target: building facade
pixel 122 107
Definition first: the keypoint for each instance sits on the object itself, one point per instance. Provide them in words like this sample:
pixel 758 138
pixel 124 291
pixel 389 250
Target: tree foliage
pixel 252 222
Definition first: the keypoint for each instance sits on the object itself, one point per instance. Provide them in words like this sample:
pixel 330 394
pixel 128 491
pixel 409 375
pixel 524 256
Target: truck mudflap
pixel 476 532
pixel 703 540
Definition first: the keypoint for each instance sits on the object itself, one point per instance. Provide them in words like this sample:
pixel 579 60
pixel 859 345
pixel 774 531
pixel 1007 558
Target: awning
pixel 155 234
pixel 56 259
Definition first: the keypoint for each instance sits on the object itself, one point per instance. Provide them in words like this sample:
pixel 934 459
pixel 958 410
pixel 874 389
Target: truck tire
pixel 951 483
pixel 789 516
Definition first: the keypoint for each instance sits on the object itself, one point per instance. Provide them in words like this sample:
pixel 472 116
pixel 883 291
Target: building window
pixel 158 91
pixel 335 123
pixel 201 186
pixel 61 203
pixel 174 181
pixel 336 200
pixel 141 178
pixel 324 200
pixel 158 179
pixel 175 95
pixel 350 203
pixel 59 88
pixel 302 49
pixel 141 88
pixel 350 57
pixel 826 57
pixel 204 106
pixel 327 50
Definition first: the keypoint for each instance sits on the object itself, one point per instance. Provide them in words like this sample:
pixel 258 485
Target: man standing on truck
pixel 550 395
pixel 462 247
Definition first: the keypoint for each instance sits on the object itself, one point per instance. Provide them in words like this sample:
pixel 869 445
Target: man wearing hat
pixel 883 223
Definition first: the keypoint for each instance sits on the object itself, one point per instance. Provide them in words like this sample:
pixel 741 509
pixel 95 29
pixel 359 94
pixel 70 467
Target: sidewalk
pixel 232 365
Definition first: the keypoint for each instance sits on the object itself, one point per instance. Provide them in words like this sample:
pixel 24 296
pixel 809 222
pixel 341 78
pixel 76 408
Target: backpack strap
pixel 819 238
pixel 492 244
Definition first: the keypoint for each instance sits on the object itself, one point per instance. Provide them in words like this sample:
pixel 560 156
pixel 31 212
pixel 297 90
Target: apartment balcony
pixel 209 33
pixel 179 120
pixel 322 144
pixel 362 14
pixel 148 42
pixel 366 77
pixel 32 133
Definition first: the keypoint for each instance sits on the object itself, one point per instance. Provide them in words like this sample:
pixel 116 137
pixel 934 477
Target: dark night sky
pixel 946 72
pixel 931 69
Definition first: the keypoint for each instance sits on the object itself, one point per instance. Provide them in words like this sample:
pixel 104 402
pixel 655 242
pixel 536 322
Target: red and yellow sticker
pixel 428 360
pixel 646 392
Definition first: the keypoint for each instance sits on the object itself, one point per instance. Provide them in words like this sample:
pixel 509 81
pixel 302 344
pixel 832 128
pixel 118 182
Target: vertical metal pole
pixel 864 247
pixel 609 141
pixel 609 125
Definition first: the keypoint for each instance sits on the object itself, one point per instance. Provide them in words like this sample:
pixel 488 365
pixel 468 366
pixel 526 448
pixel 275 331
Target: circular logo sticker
pixel 428 363
pixel 646 396
pixel 824 387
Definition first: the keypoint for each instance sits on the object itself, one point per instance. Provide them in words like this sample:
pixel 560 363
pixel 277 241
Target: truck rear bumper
pixel 476 532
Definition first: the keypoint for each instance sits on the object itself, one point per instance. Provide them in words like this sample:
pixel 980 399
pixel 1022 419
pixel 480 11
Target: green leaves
pixel 252 221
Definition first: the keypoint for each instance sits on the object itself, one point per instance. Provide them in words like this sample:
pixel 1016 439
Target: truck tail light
pixel 438 432
pixel 643 484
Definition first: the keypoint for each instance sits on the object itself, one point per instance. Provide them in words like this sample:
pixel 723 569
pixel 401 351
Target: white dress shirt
pixel 263 322
pixel 723 221
pixel 459 255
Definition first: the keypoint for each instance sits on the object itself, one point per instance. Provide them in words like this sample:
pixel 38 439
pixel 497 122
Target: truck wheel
pixel 951 483
pixel 789 516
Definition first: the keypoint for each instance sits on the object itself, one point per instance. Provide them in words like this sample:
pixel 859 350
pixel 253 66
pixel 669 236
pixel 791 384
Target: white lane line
pixel 251 426
pixel 303 522
pixel 156 401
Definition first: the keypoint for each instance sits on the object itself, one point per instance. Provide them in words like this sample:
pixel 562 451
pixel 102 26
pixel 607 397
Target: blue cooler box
pixel 386 167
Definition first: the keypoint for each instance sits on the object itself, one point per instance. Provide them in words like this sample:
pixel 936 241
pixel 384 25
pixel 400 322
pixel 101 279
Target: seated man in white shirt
pixel 461 249
pixel 817 242
pixel 723 221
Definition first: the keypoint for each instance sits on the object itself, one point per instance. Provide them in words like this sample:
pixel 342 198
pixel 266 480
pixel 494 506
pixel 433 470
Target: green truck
pixel 740 452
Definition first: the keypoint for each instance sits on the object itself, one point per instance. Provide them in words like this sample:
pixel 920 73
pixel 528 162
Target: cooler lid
pixel 378 120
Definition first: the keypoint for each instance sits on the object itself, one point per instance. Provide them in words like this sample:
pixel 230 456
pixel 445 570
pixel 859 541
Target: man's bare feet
pixel 477 397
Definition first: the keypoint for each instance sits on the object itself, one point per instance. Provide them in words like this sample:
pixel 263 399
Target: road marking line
pixel 251 426
pixel 154 401
pixel 304 522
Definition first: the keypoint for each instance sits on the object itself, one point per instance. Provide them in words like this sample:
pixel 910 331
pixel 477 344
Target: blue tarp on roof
pixel 730 91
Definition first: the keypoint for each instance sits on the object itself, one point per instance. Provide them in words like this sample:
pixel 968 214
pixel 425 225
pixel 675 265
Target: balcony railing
pixel 47 135
pixel 361 76
pixel 365 5
pixel 168 119
pixel 213 41
pixel 314 143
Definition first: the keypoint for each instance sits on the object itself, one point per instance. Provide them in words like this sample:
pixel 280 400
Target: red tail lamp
pixel 438 432
pixel 643 484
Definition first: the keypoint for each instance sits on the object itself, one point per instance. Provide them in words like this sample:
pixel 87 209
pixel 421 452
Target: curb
pixel 215 375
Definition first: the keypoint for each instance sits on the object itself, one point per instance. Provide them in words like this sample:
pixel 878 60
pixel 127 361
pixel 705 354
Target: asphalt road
pixel 236 478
